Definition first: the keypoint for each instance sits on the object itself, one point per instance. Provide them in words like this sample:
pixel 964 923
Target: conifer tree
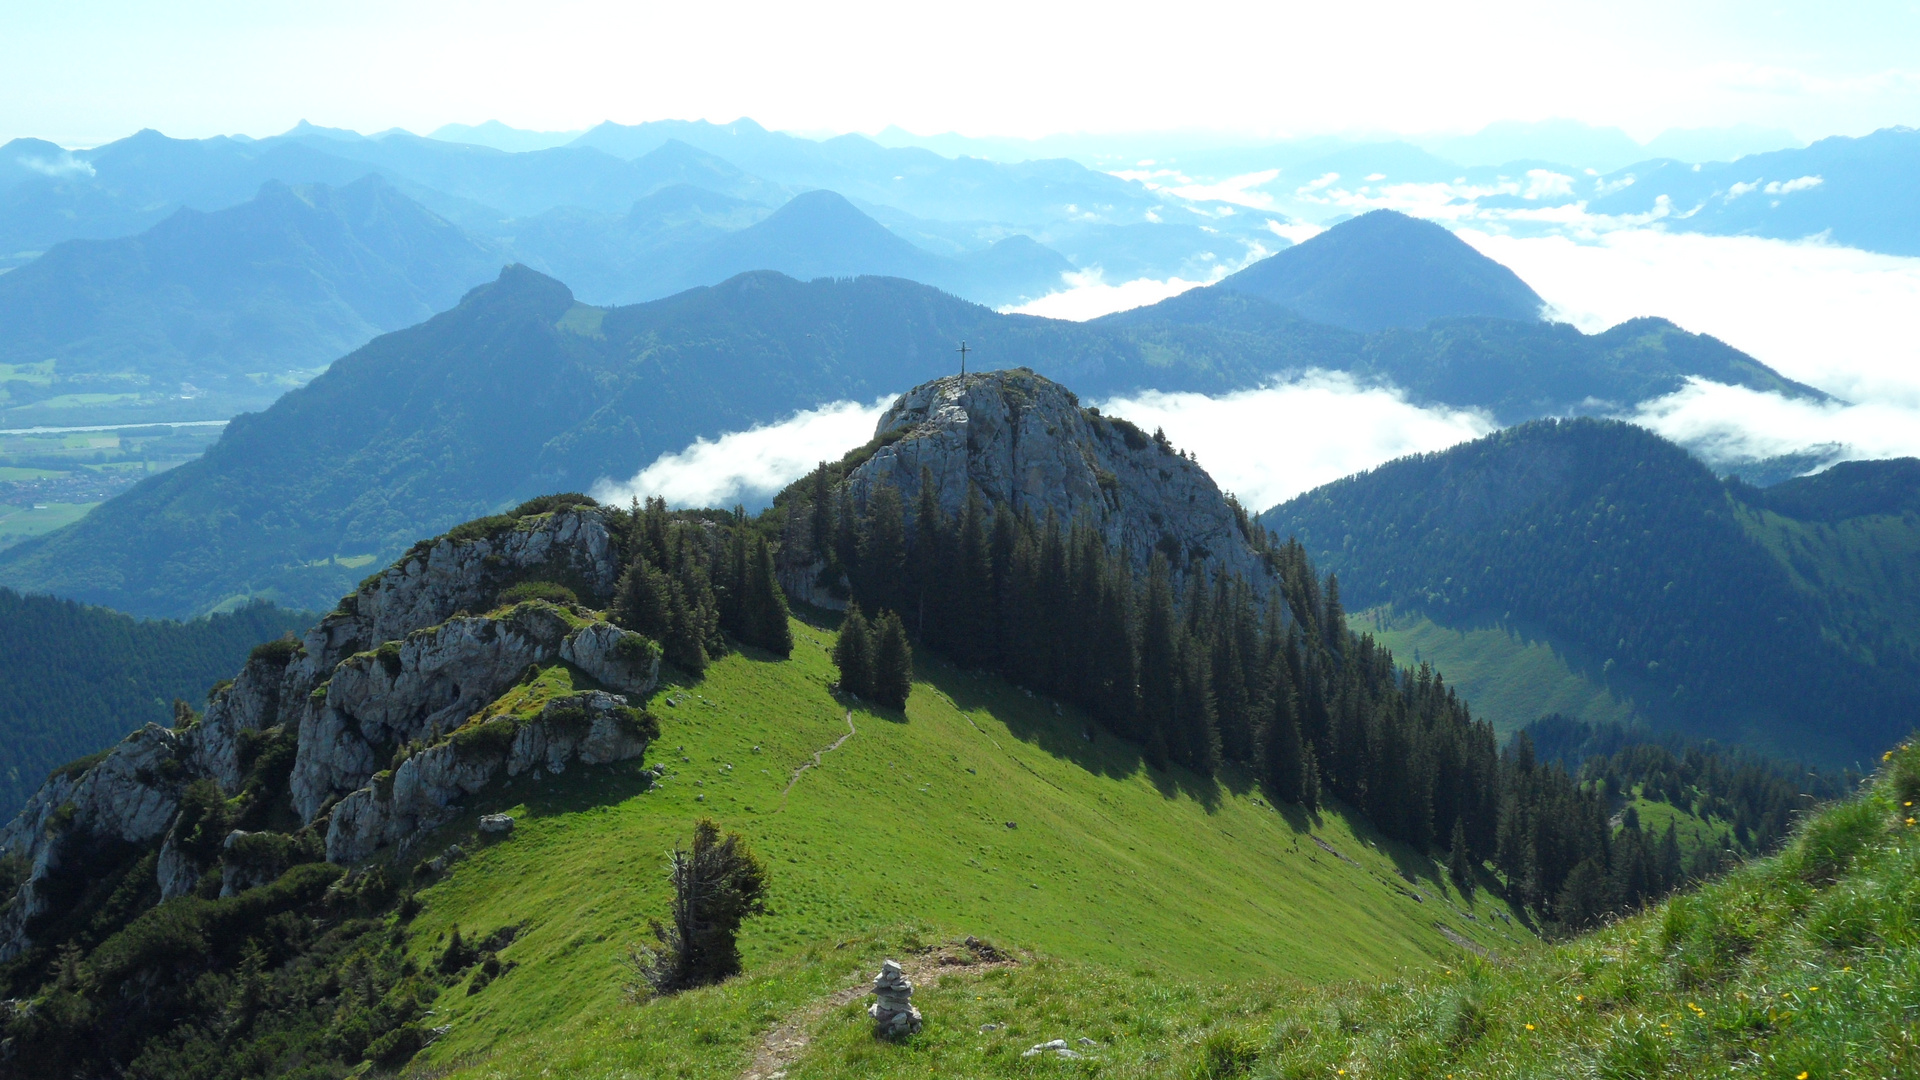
pixel 1460 860
pixel 882 552
pixel 1159 662
pixel 1284 764
pixel 853 654
pixel 764 605
pixel 925 560
pixel 892 661
pixel 823 516
pixel 642 600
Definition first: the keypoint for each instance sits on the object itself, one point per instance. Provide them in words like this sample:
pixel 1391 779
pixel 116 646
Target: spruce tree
pixel 1159 663
pixel 764 605
pixel 882 578
pixel 892 662
pixel 925 561
pixel 853 654
pixel 1284 764
pixel 641 600
pixel 1460 860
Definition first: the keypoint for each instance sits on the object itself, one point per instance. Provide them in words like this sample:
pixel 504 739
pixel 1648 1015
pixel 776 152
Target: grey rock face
pixel 624 660
pixel 892 1010
pixel 496 823
pixel 1024 440
pixel 425 686
pixel 348 701
pixel 130 795
pixel 422 793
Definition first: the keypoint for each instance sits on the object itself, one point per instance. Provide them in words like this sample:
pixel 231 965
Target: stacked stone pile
pixel 892 1011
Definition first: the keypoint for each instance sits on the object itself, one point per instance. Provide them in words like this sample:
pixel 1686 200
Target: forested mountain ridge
pixel 400 439
pixel 1647 575
pixel 77 678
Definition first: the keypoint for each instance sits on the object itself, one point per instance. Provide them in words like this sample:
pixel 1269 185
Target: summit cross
pixel 963 357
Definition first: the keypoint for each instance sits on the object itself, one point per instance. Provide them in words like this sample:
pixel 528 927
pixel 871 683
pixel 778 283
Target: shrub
pixel 491 737
pixel 544 504
pixel 389 656
pixel 75 769
pixel 638 723
pixel 715 887
pixel 536 590
pixel 279 652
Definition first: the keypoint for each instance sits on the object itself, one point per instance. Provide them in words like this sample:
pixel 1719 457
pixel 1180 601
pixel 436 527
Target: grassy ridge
pixel 1105 867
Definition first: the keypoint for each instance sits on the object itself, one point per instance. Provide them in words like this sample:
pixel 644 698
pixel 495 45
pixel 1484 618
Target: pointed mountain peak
pixel 1385 269
pixel 520 287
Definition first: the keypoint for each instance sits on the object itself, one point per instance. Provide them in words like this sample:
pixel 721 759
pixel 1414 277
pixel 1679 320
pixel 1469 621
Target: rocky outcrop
pixel 130 796
pixel 1024 441
pixel 399 663
pixel 593 728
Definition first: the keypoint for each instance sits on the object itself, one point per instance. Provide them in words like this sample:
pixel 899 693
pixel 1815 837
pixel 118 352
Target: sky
pixel 86 72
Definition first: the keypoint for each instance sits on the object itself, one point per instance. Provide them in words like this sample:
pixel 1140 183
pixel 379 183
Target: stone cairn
pixel 893 1012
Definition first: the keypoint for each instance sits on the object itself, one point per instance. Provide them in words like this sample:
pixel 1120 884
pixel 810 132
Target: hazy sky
pixel 87 72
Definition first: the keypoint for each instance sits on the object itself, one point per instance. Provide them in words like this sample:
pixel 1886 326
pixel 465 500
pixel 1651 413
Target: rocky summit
pixel 1024 441
pixel 368 730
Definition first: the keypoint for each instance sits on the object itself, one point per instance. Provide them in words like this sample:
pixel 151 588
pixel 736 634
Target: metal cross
pixel 963 357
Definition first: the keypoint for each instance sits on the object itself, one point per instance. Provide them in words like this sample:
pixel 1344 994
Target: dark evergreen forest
pixel 1633 559
pixel 78 678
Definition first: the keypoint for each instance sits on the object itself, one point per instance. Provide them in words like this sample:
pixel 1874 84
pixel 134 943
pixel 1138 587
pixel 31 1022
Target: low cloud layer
pixel 1088 296
pixel 1270 444
pixel 1833 317
pixel 1729 425
pixel 750 467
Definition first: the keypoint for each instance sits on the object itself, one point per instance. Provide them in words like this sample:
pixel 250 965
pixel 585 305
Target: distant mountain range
pixel 210 314
pixel 521 390
pixel 1593 569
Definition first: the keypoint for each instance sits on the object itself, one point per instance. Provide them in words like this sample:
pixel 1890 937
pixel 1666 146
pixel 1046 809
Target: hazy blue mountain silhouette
pixel 132 184
pixel 1863 192
pixel 1385 269
pixel 520 390
pixel 286 281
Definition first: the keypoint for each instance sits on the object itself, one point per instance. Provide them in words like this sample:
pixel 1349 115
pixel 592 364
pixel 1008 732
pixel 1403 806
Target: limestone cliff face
pixel 400 663
pixel 1025 441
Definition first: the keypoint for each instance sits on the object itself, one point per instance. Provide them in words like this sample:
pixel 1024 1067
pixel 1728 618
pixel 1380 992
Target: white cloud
pixel 1731 424
pixel 1088 296
pixel 1834 317
pixel 64 165
pixel 1290 436
pixel 750 466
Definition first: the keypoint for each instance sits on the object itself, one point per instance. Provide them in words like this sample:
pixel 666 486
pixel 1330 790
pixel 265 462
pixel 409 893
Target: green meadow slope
pixel 981 811
pixel 1802 966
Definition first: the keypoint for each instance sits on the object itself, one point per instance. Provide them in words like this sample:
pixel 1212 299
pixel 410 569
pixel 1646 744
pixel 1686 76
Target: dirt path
pixel 835 745
pixel 787 1040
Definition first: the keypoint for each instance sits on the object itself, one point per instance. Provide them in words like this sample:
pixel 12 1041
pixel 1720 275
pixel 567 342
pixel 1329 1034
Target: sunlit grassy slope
pixel 981 811
pixel 1510 678
pixel 1800 966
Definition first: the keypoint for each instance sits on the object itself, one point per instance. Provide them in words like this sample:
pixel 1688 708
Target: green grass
pixel 40 374
pixel 1800 966
pixel 18 523
pixel 1105 868
pixel 1509 678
